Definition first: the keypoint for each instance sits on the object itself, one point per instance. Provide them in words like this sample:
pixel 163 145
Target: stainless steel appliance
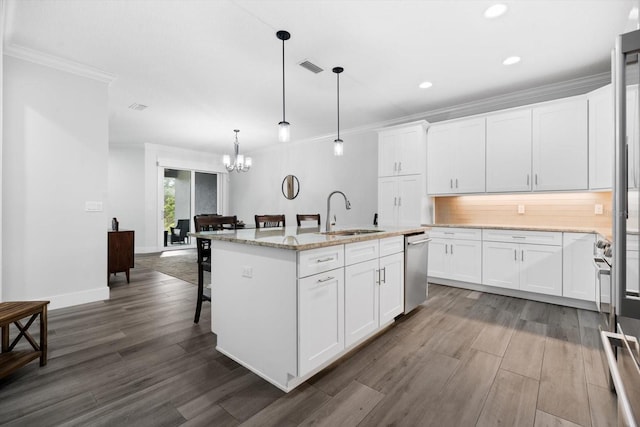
pixel 416 255
pixel 620 336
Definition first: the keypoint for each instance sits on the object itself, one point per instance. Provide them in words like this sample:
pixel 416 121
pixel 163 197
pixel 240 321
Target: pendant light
pixel 338 148
pixel 284 134
pixel 240 163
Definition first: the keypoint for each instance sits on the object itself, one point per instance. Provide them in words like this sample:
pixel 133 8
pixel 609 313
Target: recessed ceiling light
pixel 511 60
pixel 496 10
pixel 425 85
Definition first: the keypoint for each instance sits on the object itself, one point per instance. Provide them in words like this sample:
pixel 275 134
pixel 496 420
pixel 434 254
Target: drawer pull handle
pixel 515 255
pixel 326 279
pixel 519 237
pixel 327 259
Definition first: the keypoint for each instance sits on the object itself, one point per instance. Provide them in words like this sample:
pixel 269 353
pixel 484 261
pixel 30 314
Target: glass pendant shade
pixel 226 160
pixel 284 134
pixel 338 147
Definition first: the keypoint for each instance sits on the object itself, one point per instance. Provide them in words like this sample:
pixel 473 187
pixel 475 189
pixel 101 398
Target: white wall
pixel 319 172
pixel 55 151
pixel 126 189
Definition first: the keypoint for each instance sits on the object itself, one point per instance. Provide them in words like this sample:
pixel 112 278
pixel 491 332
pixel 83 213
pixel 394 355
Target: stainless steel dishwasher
pixel 416 255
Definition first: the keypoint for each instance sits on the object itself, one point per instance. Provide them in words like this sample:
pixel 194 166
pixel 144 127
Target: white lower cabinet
pixel 527 267
pixel 320 318
pixel 391 287
pixel 374 291
pixel 361 300
pixel 578 271
pixel 455 259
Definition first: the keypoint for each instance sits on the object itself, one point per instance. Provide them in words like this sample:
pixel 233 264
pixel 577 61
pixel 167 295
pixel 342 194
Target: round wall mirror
pixel 290 187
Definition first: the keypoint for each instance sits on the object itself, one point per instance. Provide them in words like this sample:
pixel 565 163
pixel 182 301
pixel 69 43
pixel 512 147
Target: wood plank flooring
pixel 462 359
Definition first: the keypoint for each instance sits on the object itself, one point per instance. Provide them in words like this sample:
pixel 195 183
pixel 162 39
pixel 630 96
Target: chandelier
pixel 240 163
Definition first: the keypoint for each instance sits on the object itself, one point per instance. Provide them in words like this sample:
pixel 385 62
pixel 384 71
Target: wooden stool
pixel 13 312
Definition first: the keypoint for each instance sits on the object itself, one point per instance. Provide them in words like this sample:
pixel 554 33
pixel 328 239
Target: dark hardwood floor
pixel 463 359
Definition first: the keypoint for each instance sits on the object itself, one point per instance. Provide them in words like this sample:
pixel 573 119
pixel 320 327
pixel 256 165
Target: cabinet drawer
pixel 391 245
pixel 360 251
pixel 456 233
pixel 316 261
pixel 522 236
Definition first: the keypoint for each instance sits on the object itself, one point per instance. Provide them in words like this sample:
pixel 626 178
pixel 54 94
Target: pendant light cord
pixel 338 105
pixel 283 116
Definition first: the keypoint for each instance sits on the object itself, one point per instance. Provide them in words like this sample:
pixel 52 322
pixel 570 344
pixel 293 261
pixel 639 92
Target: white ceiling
pixel 205 68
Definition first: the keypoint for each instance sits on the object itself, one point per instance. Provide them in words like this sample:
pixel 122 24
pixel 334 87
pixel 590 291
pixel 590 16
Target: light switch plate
pixel 93 206
pixel 598 209
pixel 521 209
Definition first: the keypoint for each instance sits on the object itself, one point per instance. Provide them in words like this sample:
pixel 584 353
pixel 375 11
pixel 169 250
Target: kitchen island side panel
pixel 255 317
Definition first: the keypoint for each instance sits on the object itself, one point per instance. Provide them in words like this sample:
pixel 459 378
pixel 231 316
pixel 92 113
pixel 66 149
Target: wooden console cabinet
pixel 121 244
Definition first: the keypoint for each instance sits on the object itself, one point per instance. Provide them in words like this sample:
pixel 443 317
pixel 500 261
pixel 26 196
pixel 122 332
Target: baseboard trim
pixel 77 298
pixel 551 299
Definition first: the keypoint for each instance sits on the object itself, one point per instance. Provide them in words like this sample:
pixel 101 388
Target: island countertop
pixel 303 238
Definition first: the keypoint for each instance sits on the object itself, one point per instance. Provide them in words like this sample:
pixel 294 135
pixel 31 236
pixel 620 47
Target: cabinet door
pixel 387 201
pixel 391 287
pixel 441 142
pixel 466 261
pixel 500 265
pixel 578 271
pixel 469 160
pixel 409 200
pixel 320 319
pixel 560 148
pixel 541 269
pixel 438 258
pixel 601 136
pixel 509 151
pixel 410 152
pixel 633 276
pixel 360 300
pixel 387 162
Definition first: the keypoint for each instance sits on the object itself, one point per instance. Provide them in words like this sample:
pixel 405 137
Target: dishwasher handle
pixel 419 242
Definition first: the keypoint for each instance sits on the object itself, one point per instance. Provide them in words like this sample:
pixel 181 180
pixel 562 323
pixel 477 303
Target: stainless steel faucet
pixel 347 204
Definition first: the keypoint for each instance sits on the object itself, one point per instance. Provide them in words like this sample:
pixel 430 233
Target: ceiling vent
pixel 137 107
pixel 310 66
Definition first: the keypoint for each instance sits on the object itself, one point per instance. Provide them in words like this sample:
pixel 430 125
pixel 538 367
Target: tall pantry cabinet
pixel 401 174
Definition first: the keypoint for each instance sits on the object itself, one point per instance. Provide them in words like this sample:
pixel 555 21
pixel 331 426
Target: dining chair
pixel 207 223
pixel 266 221
pixel 308 217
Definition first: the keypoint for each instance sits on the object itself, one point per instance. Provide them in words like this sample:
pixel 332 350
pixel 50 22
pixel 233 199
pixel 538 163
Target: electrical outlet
pixel 521 209
pixel 598 209
pixel 247 271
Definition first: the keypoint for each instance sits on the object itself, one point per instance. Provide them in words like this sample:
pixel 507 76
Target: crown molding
pixel 41 58
pixel 564 89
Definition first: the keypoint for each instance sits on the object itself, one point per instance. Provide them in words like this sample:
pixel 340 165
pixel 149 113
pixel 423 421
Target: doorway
pixel 185 193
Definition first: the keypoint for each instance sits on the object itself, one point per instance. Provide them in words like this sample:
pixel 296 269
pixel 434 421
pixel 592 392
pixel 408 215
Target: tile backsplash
pixel 539 209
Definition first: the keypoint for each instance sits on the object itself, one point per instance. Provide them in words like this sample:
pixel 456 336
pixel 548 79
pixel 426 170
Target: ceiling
pixel 204 68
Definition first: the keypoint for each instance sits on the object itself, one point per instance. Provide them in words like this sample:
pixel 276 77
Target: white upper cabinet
pixel 509 151
pixel 560 147
pixel 402 150
pixel 456 157
pixel 402 153
pixel 601 136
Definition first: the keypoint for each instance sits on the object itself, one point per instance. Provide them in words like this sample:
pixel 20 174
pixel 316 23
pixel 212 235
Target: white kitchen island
pixel 287 302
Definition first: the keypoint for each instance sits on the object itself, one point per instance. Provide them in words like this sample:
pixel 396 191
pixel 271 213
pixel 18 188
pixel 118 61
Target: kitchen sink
pixel 352 232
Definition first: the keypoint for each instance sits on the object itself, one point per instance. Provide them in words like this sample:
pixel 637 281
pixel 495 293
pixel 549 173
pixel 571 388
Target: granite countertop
pixel 302 238
pixel 566 229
